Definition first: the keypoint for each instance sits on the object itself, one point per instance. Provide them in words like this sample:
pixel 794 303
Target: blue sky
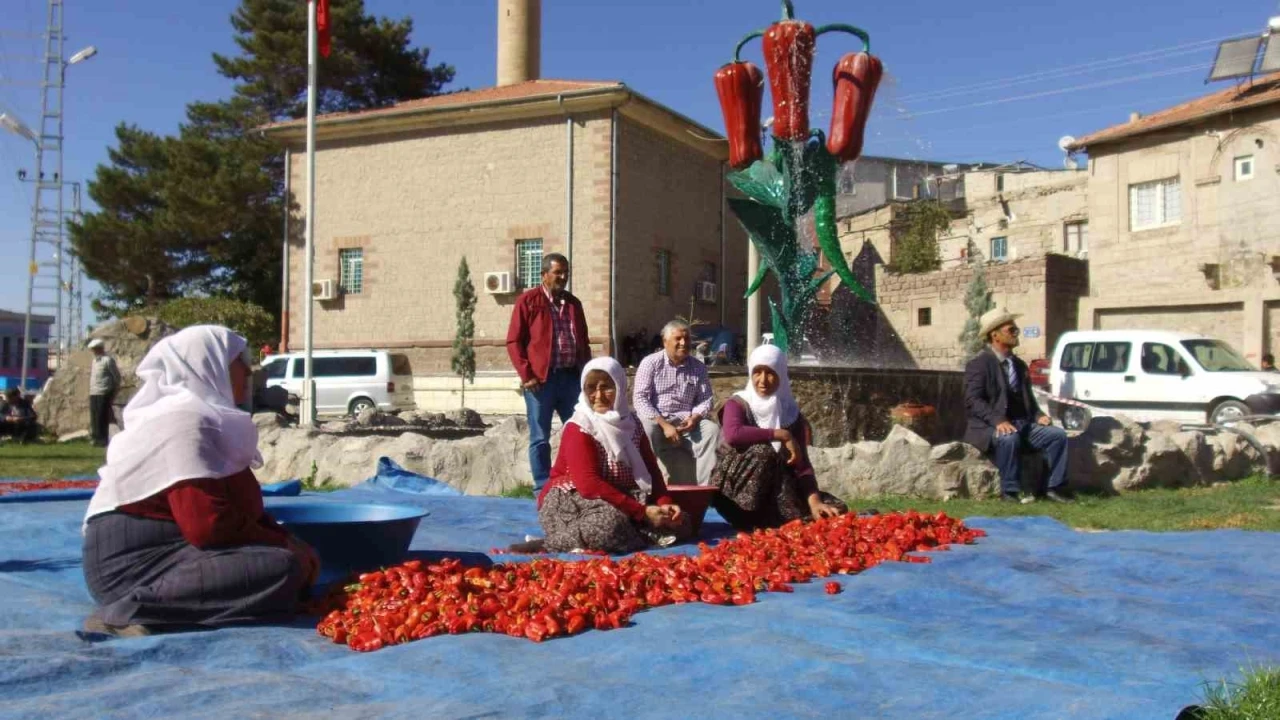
pixel 957 73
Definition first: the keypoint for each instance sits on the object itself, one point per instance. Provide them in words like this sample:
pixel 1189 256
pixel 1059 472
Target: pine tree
pixel 464 353
pixel 977 300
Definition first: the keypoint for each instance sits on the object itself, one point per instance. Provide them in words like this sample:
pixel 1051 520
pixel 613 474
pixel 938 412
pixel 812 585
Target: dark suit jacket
pixel 986 396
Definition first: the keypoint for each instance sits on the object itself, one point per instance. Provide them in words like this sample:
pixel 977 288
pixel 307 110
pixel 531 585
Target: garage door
pixel 1224 321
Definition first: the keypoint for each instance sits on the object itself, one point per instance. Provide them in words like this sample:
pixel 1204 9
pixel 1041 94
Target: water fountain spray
pixel 799 174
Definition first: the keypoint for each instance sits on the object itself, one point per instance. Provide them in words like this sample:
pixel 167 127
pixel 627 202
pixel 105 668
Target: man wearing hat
pixel 104 381
pixel 1003 414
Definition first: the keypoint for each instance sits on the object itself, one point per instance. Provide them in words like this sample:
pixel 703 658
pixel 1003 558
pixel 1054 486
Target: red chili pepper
pixel 833 588
pixel 740 86
pixel 788 56
pixel 856 78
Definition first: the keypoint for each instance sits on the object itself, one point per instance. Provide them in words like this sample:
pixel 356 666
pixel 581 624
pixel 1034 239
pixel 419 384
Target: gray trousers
pixel 691 461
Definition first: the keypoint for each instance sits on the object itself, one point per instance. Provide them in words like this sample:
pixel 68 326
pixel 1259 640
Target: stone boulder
pixel 63 406
pixel 465 418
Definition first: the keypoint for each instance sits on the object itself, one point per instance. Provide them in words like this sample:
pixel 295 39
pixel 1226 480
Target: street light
pixel 84 54
pixel 17 127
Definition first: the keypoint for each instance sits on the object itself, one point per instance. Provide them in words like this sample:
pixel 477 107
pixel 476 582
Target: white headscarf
pixel 616 429
pixel 778 410
pixel 182 424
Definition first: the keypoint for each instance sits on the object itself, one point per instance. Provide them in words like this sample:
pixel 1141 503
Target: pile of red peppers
pixel 23 486
pixel 788 56
pixel 549 598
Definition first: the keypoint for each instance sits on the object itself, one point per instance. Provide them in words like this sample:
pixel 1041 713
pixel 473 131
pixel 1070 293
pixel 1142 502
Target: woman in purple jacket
pixel 762 464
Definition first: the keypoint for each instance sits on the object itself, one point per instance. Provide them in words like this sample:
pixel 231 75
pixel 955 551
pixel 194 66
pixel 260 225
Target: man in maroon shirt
pixel 547 343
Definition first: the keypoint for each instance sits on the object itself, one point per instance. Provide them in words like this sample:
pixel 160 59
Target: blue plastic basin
pixel 350 537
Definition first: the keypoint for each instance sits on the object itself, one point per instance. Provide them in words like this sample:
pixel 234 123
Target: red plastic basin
pixel 694 500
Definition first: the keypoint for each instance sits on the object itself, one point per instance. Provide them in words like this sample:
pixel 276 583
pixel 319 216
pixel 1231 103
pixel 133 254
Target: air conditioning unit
pixel 497 283
pixel 324 290
pixel 708 292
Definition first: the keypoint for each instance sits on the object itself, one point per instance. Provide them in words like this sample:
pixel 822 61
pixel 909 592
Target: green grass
pixel 1250 504
pixel 519 491
pixel 50 460
pixel 1256 698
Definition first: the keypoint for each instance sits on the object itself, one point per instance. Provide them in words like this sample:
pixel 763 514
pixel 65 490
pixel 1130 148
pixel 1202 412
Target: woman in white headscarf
pixel 176 534
pixel 606 492
pixel 762 464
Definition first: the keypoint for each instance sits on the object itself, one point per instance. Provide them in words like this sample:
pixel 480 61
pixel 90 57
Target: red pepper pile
pixel 548 598
pixel 22 486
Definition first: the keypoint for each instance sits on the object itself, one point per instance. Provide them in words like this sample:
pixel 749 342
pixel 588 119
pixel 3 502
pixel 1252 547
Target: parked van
pixel 1152 375
pixel 347 381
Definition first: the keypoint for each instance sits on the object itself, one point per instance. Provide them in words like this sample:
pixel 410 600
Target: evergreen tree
pixel 464 353
pixel 977 300
pixel 199 212
pixel 916 229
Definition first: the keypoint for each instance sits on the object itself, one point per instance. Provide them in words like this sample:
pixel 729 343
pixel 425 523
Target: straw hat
pixel 993 319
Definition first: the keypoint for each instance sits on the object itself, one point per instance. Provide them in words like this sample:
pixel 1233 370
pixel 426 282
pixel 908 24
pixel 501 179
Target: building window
pixel 664 272
pixel 847 186
pixel 1000 248
pixel 1075 237
pixel 999 182
pixel 351 270
pixel 1244 168
pixel 924 317
pixel 709 272
pixel 528 263
pixel 1155 204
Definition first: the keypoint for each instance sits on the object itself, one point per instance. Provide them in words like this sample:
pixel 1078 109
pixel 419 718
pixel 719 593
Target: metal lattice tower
pixel 74 284
pixel 45 278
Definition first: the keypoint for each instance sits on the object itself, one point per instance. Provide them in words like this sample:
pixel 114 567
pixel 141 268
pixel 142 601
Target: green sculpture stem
pixel 788 10
pixel 737 51
pixel 841 27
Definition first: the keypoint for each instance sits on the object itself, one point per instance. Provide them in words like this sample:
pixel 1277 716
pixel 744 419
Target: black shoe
pixel 1010 498
pixel 1060 496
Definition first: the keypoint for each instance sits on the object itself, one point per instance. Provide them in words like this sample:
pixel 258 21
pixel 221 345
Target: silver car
pixel 347 381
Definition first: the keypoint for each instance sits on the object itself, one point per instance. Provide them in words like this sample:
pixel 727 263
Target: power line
pixel 1117 61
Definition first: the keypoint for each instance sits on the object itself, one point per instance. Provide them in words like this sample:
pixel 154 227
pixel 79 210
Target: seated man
pixel 1003 414
pixel 18 419
pixel 673 398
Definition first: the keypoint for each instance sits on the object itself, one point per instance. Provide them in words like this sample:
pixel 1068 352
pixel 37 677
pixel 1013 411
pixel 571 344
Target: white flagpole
pixel 308 408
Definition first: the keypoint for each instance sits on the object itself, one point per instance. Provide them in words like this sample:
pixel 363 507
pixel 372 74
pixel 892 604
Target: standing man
pixel 104 382
pixel 673 399
pixel 547 343
pixel 1003 413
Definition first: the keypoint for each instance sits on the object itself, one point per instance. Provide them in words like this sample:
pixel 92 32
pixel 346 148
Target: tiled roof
pixel 518 91
pixel 1262 91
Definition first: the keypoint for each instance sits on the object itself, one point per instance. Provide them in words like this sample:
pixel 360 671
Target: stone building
pixel 631 191
pixel 873 181
pixel 1184 206
pixel 1027 226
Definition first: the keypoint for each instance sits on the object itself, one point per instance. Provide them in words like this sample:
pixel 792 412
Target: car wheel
pixel 359 405
pixel 1075 418
pixel 1228 411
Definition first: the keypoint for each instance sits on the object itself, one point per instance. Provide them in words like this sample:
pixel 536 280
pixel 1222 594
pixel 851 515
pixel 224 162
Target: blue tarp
pixel 1036 621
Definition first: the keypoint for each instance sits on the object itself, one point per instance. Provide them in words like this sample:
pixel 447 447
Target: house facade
pixel 12 334
pixel 1184 206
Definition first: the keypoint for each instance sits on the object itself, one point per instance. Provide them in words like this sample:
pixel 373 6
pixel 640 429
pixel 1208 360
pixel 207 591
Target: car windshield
pixel 1216 356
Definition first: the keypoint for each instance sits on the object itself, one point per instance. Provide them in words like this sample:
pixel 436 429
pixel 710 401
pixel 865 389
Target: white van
pixel 1151 375
pixel 347 381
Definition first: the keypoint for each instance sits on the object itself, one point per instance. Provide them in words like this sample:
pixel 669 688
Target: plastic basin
pixel 351 537
pixel 694 500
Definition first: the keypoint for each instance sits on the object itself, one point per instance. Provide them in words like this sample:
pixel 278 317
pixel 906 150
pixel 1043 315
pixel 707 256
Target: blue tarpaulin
pixel 1036 621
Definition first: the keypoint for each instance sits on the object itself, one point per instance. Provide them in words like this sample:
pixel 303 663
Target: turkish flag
pixel 322 25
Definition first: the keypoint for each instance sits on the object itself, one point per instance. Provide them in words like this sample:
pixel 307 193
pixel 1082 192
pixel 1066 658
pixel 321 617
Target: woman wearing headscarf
pixel 176 534
pixel 606 492
pixel 762 464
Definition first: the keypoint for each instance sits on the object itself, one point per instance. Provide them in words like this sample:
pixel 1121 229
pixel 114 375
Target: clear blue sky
pixel 154 57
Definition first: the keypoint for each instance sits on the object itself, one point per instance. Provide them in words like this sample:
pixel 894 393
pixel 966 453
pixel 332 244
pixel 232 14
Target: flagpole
pixel 308 407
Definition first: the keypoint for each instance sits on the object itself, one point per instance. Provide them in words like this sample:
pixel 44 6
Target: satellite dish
pixel 1064 142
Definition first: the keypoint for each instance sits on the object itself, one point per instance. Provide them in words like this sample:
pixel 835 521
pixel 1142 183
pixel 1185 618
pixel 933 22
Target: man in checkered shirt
pixel 673 400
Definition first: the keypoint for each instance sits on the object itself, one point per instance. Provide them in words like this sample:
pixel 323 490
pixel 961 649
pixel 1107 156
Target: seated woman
pixel 176 534
pixel 762 464
pixel 606 491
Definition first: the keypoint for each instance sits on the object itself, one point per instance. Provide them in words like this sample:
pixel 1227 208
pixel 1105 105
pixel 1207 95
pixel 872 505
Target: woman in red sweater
pixel 606 492
pixel 176 533
pixel 762 464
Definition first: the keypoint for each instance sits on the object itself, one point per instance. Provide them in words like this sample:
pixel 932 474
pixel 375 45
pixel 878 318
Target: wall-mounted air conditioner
pixel 324 290
pixel 497 283
pixel 708 292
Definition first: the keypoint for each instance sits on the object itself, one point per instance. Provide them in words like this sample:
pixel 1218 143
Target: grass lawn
pixel 1255 698
pixel 1250 504
pixel 39 460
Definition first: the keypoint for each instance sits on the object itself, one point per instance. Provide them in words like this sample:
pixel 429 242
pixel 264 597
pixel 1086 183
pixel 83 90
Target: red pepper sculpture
pixel 856 78
pixel 788 56
pixel 740 86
